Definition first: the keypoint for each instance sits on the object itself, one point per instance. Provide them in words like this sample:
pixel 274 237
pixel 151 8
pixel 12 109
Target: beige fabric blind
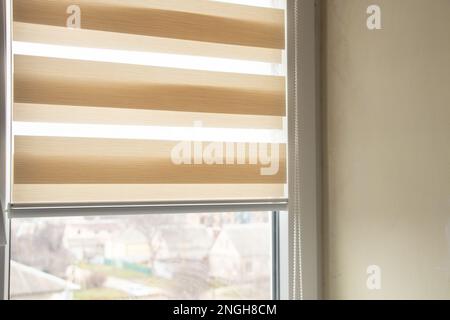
pixel 148 101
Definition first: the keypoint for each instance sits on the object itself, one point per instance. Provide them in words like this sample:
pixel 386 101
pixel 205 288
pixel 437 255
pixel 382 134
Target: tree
pixel 150 225
pixel 42 248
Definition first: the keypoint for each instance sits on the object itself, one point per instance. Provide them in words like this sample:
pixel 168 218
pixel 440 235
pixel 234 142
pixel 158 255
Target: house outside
pixel 240 253
pixel 184 247
pixel 86 239
pixel 130 246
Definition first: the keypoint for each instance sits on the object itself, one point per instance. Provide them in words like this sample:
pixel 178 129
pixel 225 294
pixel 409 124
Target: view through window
pixel 187 256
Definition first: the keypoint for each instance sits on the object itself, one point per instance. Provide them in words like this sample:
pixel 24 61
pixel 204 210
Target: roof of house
pixel 186 242
pixel 27 280
pixel 129 236
pixel 248 239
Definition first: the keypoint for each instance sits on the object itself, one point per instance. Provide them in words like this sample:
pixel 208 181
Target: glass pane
pixel 189 256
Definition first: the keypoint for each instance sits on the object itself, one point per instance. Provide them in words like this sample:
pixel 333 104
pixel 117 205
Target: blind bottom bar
pixel 105 209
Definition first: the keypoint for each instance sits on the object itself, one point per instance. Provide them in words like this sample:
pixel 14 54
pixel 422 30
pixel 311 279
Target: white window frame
pixel 296 241
pixel 5 147
pixel 304 145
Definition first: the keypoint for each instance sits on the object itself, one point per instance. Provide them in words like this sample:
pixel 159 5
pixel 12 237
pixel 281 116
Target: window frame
pixel 305 153
pixel 294 252
pixel 5 132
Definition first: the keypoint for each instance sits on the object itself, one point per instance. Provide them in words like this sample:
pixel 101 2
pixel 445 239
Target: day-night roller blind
pixel 148 100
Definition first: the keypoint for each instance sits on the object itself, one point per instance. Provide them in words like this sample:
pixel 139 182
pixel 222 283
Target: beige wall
pixel 387 148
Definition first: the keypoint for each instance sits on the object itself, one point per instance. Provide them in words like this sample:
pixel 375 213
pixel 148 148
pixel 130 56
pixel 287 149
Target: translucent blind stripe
pixel 35 33
pixel 154 59
pixel 53 113
pixel 206 21
pixel 191 133
pixel 95 193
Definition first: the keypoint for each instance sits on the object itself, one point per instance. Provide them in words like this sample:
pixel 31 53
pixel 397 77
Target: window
pixel 122 136
pixel 185 256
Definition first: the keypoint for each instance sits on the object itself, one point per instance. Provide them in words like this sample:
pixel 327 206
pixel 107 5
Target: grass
pixel 113 271
pixel 138 277
pixel 157 282
pixel 221 289
pixel 99 294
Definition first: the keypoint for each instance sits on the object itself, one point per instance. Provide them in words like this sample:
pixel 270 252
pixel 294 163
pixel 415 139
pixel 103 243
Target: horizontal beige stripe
pixel 66 193
pixel 155 97
pixel 128 73
pixel 57 160
pixel 27 32
pixel 205 7
pixel 87 83
pixel 189 20
pixel 114 116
